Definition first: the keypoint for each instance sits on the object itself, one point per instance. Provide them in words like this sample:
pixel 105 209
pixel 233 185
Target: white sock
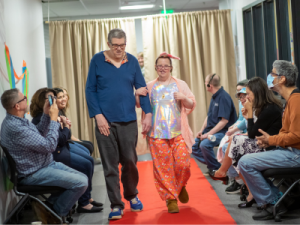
pixel 239 181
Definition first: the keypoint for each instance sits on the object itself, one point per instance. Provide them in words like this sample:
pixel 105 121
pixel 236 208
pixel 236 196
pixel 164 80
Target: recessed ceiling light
pixel 136 7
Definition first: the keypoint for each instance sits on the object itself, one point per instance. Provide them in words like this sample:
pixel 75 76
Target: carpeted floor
pixel 199 210
pixel 240 216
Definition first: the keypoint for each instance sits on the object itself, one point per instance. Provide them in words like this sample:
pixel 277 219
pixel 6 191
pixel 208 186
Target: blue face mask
pixel 270 80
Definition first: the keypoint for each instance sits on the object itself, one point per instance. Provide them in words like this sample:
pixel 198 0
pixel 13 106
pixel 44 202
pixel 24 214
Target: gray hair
pixel 9 98
pixel 116 33
pixel 242 82
pixel 288 70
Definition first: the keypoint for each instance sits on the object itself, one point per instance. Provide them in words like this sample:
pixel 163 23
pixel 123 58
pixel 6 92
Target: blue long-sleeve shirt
pixel 241 122
pixel 109 90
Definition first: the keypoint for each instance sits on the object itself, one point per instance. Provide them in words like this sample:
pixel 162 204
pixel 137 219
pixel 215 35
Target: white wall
pixel 24 35
pixel 238 31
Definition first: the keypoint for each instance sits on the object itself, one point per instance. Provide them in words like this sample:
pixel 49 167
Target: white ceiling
pixel 68 9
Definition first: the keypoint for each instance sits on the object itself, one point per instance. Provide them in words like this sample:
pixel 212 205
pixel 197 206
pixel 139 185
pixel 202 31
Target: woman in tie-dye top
pixel 170 138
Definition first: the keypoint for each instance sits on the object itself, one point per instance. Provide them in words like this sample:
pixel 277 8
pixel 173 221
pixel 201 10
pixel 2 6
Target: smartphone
pixel 50 98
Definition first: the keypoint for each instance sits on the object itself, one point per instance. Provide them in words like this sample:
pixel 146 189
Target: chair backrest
pixel 12 166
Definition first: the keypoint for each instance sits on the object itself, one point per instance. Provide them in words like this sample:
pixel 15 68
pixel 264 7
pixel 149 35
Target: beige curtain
pixel 204 42
pixel 73 44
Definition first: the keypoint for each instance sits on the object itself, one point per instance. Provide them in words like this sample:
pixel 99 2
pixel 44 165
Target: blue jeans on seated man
pixel 60 175
pixel 205 152
pixel 251 165
pixel 231 173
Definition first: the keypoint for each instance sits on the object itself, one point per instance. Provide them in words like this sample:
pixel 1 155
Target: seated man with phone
pixel 31 147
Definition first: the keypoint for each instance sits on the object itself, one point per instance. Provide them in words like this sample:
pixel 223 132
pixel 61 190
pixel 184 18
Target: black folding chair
pixel 282 174
pixel 33 190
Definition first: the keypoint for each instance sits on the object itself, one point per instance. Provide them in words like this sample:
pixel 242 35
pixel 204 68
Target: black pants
pixel 119 147
pixel 89 145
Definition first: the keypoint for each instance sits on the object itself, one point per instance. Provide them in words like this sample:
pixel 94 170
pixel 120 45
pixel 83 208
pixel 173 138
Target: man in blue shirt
pixel 221 115
pixel 31 147
pixel 111 101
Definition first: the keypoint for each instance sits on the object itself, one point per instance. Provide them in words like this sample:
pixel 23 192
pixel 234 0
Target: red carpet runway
pixel 204 206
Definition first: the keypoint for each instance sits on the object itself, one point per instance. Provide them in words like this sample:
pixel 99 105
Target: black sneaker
pixel 234 188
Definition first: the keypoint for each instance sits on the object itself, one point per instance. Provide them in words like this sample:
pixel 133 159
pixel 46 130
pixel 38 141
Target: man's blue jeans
pixel 205 153
pixel 60 175
pixel 231 173
pixel 251 165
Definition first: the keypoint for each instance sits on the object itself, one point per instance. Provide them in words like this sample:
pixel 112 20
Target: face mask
pixel 270 80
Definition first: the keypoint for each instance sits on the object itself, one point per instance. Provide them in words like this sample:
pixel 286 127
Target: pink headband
pixel 169 55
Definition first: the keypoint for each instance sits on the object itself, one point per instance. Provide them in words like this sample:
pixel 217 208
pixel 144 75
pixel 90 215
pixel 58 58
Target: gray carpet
pixel 241 216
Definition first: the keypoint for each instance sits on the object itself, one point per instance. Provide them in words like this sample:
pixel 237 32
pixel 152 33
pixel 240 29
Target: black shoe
pixel 224 179
pixel 267 212
pixel 247 204
pixel 97 204
pixel 234 188
pixel 94 209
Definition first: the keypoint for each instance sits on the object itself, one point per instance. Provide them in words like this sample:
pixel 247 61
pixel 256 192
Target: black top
pixel 269 120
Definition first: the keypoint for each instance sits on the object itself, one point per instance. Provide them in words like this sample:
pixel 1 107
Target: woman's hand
pixel 230 132
pixel 142 91
pixel 64 121
pixel 179 96
pixel 248 105
pixel 69 122
pixel 245 113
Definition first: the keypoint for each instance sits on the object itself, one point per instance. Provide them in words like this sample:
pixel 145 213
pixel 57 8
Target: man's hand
pixel 46 108
pixel 102 124
pixel 147 123
pixel 199 134
pixel 263 141
pixel 53 112
pixel 179 96
pixel 142 91
pixel 204 136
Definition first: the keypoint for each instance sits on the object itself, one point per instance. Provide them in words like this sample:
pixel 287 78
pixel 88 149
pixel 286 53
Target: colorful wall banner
pixel 12 75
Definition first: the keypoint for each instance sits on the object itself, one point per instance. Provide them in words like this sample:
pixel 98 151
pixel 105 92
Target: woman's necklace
pixel 163 96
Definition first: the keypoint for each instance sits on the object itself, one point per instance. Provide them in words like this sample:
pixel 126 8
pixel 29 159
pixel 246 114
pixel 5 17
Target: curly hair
pixel 38 101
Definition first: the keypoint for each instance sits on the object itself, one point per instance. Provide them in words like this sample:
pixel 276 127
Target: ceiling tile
pixel 202 4
pixel 68 8
pixel 102 6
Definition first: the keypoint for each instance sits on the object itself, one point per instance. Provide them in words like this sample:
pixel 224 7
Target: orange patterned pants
pixel 171 166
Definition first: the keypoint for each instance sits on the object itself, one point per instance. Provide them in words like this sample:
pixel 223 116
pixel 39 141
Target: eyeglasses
pixel 163 67
pixel 115 46
pixel 25 98
pixel 275 74
pixel 240 97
